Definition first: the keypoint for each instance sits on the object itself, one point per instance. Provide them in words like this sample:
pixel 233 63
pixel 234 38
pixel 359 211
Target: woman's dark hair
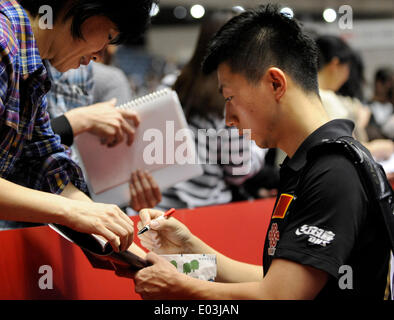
pixel 353 87
pixel 130 17
pixel 198 92
pixel 331 47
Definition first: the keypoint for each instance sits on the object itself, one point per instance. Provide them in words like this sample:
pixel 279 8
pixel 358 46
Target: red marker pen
pixel 164 216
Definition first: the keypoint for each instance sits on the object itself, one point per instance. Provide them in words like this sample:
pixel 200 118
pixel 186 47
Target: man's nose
pixel 229 117
pixel 98 56
pixel 231 120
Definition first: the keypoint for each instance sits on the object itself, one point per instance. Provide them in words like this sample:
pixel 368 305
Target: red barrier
pixel 237 230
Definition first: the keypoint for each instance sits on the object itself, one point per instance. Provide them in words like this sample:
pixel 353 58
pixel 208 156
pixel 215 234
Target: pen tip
pixel 142 230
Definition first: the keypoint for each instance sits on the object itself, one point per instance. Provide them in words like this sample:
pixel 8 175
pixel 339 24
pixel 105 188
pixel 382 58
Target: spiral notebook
pixel 163 145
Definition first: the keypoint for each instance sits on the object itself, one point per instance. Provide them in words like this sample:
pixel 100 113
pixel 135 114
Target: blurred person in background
pixel 353 87
pixel 381 102
pixel 382 119
pixel 339 64
pixel 110 81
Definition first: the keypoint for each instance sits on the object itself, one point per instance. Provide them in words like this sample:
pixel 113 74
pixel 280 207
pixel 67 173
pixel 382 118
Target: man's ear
pixel 277 81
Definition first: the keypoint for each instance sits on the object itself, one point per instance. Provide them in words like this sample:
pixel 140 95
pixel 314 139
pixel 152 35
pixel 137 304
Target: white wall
pixel 174 43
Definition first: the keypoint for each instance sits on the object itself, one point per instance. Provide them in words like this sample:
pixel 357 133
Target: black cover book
pixel 99 252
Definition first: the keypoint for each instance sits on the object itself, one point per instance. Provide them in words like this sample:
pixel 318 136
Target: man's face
pixel 70 53
pixel 249 106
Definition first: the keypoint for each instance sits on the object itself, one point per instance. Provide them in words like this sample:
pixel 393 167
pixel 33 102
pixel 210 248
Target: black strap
pixel 372 175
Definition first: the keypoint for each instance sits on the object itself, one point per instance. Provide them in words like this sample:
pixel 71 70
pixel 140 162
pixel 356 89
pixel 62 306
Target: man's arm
pixel 228 270
pixel 172 236
pixel 286 280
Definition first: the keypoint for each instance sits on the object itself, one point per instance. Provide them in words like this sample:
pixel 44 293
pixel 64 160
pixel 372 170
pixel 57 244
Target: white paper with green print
pixel 199 266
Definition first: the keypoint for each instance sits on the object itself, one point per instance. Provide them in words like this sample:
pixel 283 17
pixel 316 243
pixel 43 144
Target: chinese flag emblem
pixel 282 206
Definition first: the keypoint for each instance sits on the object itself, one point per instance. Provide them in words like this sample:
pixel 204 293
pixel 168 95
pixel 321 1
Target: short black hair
pixel 384 74
pixel 333 47
pixel 259 38
pixel 130 17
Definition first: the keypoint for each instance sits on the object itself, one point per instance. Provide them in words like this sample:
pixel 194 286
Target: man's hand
pixel 101 219
pixel 160 281
pixel 168 236
pixel 105 121
pixel 144 191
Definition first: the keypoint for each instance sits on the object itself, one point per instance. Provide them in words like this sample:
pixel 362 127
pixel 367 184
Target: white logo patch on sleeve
pixel 316 235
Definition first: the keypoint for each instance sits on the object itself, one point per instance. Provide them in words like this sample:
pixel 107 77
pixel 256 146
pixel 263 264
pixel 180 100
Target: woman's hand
pixel 105 220
pixel 144 191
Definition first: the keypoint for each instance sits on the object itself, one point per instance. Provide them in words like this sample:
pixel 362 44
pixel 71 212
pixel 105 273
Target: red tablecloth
pixel 237 230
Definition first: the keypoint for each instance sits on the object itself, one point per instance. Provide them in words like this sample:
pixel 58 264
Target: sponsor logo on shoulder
pixel 316 235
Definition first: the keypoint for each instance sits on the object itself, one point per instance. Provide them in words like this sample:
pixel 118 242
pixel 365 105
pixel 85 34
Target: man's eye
pixel 228 99
pixel 110 37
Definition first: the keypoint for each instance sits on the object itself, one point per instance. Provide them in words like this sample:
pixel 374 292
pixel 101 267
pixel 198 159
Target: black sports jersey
pixel 325 221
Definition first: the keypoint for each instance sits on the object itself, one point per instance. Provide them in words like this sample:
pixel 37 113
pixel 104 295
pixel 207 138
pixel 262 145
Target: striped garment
pixel 30 153
pixel 212 187
pixel 69 90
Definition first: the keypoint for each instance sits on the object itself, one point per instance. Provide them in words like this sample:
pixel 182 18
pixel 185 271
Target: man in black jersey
pixel 323 226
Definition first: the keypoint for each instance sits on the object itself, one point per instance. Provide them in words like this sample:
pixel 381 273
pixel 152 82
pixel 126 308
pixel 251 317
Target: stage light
pixel 180 12
pixel 238 9
pixel 197 11
pixel 329 15
pixel 154 10
pixel 287 12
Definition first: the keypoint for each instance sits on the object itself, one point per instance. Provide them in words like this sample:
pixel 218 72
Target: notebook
pixel 99 252
pixel 163 145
